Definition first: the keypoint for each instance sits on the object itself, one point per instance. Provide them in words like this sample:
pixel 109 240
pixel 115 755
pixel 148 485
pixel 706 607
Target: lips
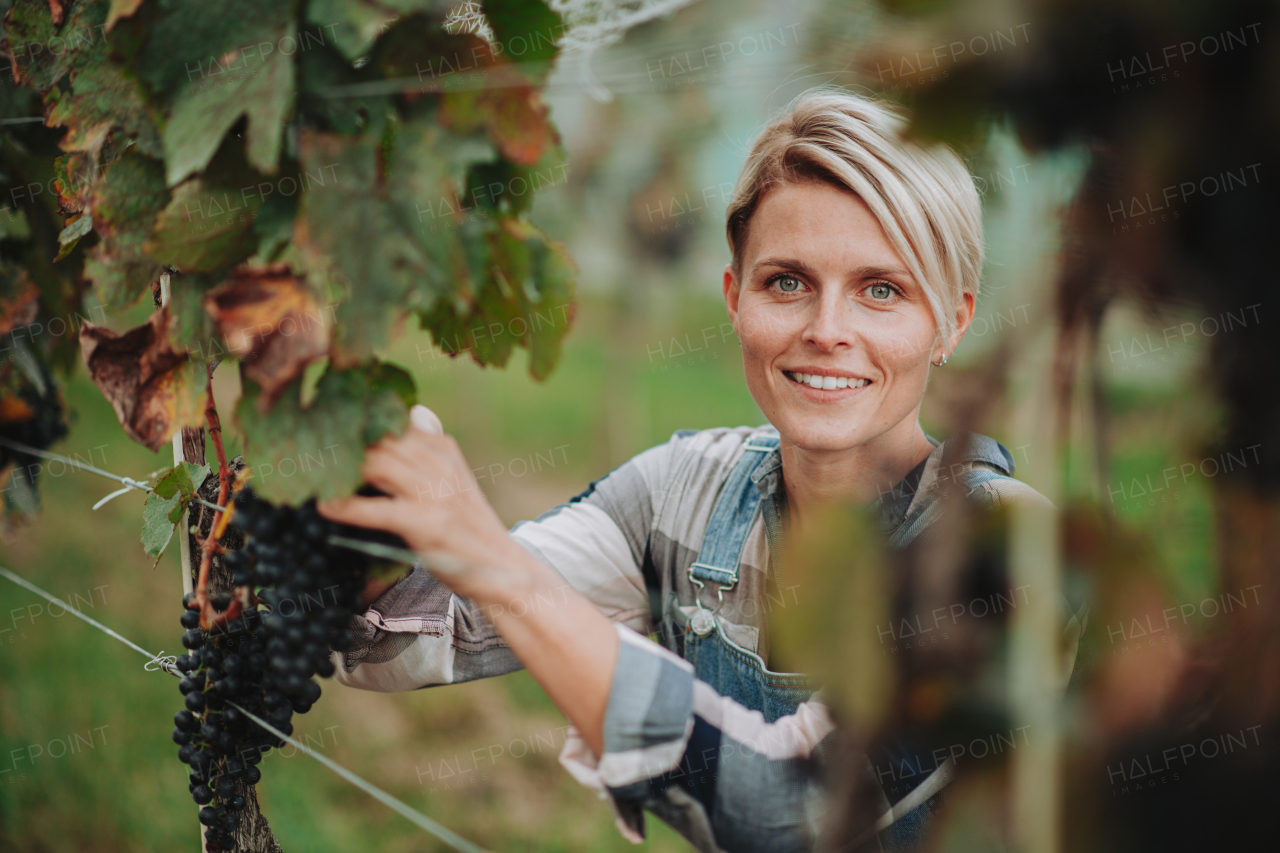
pixel 826 382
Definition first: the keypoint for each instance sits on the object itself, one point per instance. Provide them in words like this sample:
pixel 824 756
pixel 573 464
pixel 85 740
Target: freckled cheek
pixel 765 335
pixel 900 350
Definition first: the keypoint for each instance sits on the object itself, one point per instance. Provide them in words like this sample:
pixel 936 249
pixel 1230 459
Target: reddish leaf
pixel 55 9
pixel 74 177
pixel 15 410
pixel 508 107
pixel 20 307
pixel 154 388
pixel 267 317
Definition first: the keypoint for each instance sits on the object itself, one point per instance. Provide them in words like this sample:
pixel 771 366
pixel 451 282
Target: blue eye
pixel 881 291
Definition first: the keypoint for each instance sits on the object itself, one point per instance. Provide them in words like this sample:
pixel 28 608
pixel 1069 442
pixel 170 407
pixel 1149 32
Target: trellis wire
pixel 446 835
pixel 76 463
pixel 373 549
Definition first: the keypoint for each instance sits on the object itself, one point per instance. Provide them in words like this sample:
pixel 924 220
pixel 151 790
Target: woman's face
pixel 836 335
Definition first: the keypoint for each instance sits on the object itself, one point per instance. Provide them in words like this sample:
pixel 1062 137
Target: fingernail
pixel 425 419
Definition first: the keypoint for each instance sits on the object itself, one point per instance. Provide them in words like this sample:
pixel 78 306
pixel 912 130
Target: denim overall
pixel 732 670
pixel 740 674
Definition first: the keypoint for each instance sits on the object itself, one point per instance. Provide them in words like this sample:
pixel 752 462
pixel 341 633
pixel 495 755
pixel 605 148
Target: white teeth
pixel 827 383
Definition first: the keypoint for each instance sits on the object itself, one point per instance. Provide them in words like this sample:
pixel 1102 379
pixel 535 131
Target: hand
pixel 436 506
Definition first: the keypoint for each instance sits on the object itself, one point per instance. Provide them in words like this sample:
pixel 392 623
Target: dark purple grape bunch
pixel 312 589
pixel 218 741
pixel 263 661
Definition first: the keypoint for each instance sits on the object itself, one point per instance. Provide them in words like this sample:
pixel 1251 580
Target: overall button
pixel 702 622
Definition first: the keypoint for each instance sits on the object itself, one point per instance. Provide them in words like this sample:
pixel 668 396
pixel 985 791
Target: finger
pixel 361 512
pixel 399 477
pixel 430 464
pixel 413 443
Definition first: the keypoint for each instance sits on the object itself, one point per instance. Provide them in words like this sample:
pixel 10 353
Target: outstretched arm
pixel 568 646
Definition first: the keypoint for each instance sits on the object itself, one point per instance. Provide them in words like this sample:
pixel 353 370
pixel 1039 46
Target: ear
pixel 732 290
pixel 964 317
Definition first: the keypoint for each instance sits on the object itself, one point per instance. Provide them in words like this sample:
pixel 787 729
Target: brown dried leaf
pixel 271 320
pixel 55 9
pixel 120 9
pixel 154 388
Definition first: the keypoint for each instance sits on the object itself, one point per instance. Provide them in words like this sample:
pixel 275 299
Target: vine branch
pixel 209 618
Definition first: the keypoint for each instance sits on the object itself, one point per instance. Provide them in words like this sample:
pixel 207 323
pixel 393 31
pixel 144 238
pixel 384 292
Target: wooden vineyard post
pixel 254 833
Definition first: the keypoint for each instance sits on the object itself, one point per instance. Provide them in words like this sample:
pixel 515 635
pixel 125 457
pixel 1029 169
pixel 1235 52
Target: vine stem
pixel 209 618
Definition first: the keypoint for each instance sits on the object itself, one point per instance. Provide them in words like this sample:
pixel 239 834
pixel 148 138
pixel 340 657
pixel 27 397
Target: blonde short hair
pixel 923 197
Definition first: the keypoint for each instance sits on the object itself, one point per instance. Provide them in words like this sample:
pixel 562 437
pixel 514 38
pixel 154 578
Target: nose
pixel 830 322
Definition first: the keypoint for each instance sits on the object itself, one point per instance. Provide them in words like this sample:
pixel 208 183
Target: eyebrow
pixel 801 266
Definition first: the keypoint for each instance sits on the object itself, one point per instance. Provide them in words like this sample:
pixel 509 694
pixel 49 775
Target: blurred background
pixel 1118 351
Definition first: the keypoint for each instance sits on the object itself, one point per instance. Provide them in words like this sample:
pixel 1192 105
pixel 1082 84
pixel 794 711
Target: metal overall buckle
pixel 703 620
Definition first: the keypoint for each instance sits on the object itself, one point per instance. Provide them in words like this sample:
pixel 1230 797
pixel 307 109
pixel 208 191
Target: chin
pixel 816 438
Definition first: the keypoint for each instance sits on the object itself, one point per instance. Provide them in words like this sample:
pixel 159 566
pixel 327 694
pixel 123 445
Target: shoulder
pixel 722 443
pixel 688 456
pixel 707 455
pixel 1002 490
pixel 985 467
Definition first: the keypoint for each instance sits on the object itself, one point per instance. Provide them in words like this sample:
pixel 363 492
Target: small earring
pixel 942 362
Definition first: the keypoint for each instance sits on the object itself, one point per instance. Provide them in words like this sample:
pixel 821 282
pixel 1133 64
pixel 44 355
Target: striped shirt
pixel 626 543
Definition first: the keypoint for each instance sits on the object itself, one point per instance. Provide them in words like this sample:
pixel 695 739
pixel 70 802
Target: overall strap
pixel 731 517
pixel 955 465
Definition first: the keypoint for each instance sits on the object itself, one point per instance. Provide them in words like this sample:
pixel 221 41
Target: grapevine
pixel 260 171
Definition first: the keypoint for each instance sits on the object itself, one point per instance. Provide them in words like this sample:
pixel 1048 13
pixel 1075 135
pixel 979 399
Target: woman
pixel 855 265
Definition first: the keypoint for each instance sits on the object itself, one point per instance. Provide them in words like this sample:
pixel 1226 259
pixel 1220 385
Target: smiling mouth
pixel 825 383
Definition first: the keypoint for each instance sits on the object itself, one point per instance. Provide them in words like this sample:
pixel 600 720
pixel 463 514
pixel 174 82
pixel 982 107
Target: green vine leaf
pixel 349 236
pixel 166 503
pixel 427 190
pixel 68 237
pixel 125 204
pixel 203 115
pixel 101 98
pixel 527 300
pixel 208 225
pixel 41 52
pixel 300 451
pixel 207 65
pixel 360 22
pixel 529 32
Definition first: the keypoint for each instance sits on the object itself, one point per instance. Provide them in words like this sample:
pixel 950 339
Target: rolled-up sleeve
pixel 714 770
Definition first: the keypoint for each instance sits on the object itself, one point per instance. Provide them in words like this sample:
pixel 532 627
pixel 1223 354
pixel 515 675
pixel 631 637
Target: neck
pixel 860 474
